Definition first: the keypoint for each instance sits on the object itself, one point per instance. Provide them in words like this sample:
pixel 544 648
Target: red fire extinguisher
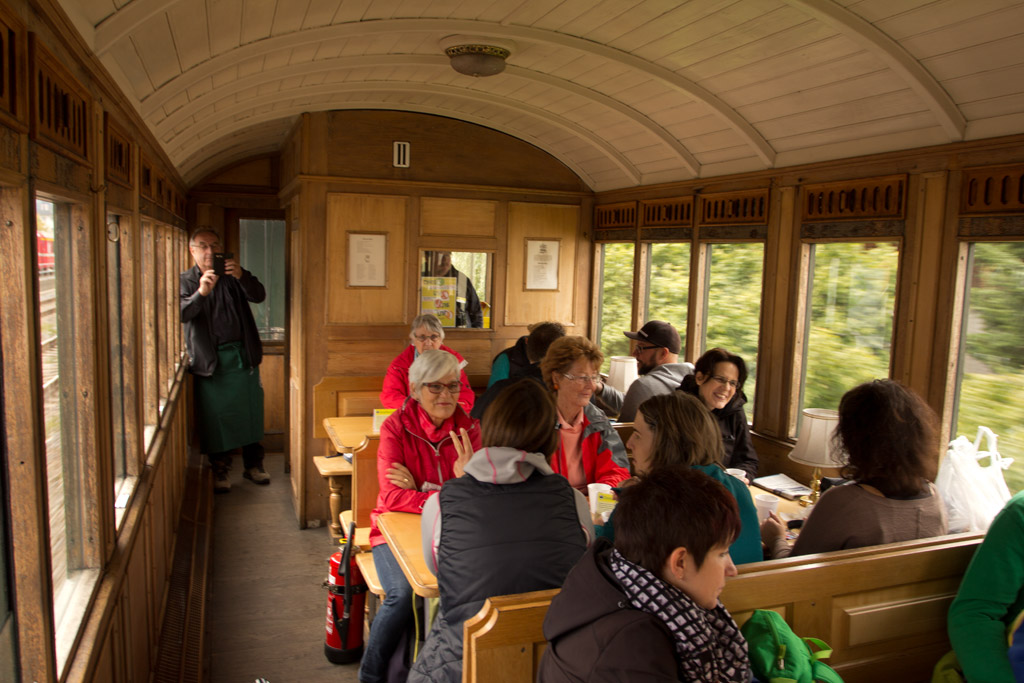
pixel 346 597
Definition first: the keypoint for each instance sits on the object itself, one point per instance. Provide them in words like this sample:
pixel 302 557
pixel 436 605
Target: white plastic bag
pixel 973 494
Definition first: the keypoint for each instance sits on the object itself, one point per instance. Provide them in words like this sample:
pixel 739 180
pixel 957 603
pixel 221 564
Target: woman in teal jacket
pixel 990 598
pixel 676 429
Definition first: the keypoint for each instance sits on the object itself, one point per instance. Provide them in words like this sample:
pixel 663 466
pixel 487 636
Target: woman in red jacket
pixel 427 333
pixel 590 450
pixel 416 455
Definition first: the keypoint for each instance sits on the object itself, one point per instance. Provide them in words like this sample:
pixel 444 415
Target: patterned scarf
pixel 709 646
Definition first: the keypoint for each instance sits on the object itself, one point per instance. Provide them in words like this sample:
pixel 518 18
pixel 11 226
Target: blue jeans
pixel 394 617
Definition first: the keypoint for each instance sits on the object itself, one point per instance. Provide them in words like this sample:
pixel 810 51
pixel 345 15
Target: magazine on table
pixel 782 485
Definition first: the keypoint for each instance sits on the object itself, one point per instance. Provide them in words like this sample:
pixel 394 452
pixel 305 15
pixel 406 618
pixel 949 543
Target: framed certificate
pixel 367 259
pixel 541 264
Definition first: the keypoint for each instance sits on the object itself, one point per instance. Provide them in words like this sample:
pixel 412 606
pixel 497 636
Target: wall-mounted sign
pixel 541 264
pixel 367 259
pixel 438 297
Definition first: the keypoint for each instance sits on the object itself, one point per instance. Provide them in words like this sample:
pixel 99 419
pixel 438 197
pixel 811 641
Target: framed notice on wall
pixel 367 259
pixel 541 264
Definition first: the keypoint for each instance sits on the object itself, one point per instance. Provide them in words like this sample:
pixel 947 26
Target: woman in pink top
pixel 590 450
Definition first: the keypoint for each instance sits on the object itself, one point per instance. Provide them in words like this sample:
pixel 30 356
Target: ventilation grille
pixel 146 178
pixel 674 212
pixel 401 155
pixel 992 190
pixel 615 216
pixel 12 38
pixel 855 199
pixel 749 207
pixel 119 155
pixel 60 111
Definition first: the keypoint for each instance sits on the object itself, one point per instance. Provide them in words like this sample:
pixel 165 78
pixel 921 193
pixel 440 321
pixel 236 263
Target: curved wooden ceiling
pixel 624 92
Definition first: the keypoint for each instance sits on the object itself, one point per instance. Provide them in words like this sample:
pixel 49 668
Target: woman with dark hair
pixel 589 450
pixel 888 436
pixel 510 525
pixel 676 429
pixel 648 609
pixel 718 382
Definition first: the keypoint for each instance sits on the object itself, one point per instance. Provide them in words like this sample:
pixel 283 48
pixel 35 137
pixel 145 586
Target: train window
pixel 990 387
pixel 851 297
pixel 456 287
pixel 68 389
pixel 668 280
pixel 732 312
pixel 615 307
pixel 261 252
pixel 8 672
pixel 150 335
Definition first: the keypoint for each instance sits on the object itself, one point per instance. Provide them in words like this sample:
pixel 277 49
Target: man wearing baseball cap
pixel 660 372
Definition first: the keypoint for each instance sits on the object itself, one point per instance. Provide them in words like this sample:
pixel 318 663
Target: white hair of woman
pixel 429 321
pixel 430 366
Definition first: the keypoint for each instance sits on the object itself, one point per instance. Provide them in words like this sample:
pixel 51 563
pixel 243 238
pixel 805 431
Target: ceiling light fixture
pixel 476 56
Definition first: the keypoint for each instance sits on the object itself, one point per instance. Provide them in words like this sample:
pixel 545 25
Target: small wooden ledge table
pixel 347 434
pixel 402 532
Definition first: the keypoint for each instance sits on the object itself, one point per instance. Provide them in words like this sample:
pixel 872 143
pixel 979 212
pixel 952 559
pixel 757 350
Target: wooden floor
pixel 266 606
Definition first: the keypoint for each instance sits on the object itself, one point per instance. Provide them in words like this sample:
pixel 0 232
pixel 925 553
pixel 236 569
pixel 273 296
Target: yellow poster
pixel 438 297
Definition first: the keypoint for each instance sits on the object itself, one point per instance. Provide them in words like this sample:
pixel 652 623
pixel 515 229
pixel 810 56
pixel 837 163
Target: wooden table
pixel 347 435
pixel 402 531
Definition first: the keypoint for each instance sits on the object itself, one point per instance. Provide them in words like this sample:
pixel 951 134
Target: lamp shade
pixel 622 372
pixel 814 443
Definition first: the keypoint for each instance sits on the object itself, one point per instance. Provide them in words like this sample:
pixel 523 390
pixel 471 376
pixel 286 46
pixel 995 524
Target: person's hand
pixel 232 268
pixel 597 519
pixel 400 476
pixel 772 529
pixel 207 282
pixel 464 448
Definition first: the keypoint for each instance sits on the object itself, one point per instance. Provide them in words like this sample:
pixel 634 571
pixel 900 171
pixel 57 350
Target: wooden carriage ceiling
pixel 624 92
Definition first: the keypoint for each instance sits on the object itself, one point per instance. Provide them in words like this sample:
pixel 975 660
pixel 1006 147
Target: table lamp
pixel 814 447
pixel 622 372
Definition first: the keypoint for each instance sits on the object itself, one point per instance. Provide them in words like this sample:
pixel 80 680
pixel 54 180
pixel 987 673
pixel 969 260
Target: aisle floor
pixel 267 606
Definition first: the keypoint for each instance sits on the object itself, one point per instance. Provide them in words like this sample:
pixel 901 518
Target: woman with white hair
pixel 416 455
pixel 426 333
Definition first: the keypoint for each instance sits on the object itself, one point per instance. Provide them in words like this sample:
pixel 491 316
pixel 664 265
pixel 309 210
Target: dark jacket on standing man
pixel 199 337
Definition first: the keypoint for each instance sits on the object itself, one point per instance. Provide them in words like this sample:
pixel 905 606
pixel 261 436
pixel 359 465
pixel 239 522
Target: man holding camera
pixel 225 348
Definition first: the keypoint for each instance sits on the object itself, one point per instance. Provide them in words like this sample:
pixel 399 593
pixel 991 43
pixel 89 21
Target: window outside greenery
pixel 668 285
pixel 616 305
pixel 851 299
pixel 733 319
pixel 990 390
pixel 261 243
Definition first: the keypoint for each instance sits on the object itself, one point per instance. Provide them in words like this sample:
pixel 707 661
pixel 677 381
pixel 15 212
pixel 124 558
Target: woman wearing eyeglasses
pixel 416 455
pixel 590 450
pixel 718 381
pixel 427 333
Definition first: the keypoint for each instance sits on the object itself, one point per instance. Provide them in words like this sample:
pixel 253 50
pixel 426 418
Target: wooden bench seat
pixel 882 609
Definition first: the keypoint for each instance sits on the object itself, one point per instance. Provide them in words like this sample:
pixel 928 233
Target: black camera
pixel 218 263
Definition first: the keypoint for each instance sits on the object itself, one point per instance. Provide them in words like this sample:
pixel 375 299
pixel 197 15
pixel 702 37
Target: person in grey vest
pixel 657 364
pixel 510 525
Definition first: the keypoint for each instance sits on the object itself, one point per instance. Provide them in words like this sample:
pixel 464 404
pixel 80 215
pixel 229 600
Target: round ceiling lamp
pixel 476 56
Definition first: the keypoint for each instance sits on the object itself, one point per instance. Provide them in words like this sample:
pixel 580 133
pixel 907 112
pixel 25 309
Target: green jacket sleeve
pixel 990 597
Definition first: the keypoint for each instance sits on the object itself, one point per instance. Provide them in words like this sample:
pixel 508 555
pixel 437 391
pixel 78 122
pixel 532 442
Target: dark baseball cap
pixel 659 333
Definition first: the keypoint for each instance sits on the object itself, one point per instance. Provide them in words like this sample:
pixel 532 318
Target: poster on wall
pixel 542 264
pixel 367 259
pixel 437 296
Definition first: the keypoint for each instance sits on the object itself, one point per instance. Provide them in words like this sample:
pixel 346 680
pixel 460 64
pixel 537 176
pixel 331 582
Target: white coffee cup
pixel 766 504
pixel 738 473
pixel 593 490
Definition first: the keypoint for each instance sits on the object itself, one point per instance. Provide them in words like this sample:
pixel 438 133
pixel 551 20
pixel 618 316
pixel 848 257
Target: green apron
pixel 229 404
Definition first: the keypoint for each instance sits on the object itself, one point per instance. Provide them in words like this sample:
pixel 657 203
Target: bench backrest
pixel 882 609
pixel 365 485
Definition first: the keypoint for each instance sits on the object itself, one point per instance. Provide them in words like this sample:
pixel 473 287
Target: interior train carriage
pixel 641 146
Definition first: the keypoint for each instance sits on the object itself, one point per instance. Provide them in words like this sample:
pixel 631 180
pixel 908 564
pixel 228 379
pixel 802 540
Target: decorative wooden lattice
pixel 12 51
pixel 749 207
pixel 118 160
pixel 615 216
pixel 146 178
pixel 856 199
pixel 677 211
pixel 59 110
pixel 992 190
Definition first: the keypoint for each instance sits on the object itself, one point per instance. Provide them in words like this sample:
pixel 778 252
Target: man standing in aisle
pixel 225 348
pixel 657 364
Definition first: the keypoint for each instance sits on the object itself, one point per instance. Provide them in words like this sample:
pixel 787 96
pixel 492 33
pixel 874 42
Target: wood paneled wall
pixel 451 197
